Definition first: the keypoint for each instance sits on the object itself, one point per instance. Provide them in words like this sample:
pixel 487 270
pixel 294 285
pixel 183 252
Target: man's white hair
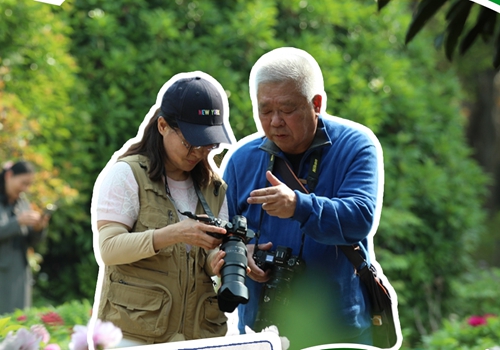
pixel 288 64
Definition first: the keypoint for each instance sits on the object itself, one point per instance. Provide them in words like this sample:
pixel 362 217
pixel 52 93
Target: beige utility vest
pixel 153 299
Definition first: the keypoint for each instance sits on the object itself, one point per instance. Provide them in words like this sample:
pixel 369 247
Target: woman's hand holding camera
pixel 33 219
pixel 195 233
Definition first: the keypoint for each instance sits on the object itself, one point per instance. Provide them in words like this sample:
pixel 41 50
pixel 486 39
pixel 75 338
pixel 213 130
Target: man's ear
pixel 317 100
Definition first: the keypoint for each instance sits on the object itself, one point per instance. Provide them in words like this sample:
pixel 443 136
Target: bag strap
pixel 366 272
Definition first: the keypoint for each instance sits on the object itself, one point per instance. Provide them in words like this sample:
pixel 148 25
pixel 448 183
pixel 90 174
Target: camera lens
pixel 233 290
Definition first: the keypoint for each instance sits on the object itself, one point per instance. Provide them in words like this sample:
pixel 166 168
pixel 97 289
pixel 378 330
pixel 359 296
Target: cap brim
pixel 202 135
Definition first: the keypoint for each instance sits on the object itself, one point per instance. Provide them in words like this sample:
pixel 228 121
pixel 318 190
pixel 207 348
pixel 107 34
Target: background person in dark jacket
pixel 20 228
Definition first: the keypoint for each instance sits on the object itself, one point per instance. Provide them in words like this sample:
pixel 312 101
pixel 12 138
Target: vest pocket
pixel 138 310
pixel 152 218
pixel 212 322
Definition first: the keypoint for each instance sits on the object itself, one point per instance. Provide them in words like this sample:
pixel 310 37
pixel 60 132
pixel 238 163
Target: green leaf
pixel 8 329
pixel 426 9
pixel 4 321
pixel 489 26
pixel 456 16
pixel 485 25
pixel 496 57
pixel 469 39
pixel 382 3
pixel 3 329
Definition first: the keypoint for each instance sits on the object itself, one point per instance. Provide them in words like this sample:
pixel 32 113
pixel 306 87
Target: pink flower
pixel 52 347
pixel 475 320
pixel 22 318
pixel 79 338
pixel 52 318
pixel 106 334
pixel 23 339
pixel 42 332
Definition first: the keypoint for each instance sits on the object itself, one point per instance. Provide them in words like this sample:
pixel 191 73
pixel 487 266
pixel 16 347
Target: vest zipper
pixel 130 284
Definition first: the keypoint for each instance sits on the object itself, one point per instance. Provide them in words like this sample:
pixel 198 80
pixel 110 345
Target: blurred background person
pixel 20 228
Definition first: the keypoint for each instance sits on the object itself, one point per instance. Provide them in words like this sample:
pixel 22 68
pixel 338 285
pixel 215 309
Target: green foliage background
pixel 112 57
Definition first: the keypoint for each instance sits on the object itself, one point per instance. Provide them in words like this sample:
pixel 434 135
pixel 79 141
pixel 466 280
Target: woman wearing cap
pixel 20 228
pixel 157 286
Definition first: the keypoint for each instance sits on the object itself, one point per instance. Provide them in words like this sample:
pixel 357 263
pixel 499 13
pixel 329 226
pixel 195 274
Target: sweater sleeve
pixel 118 246
pixel 348 216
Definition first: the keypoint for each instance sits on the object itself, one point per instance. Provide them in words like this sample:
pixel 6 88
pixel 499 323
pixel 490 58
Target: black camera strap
pixel 279 165
pixel 203 201
pixel 201 198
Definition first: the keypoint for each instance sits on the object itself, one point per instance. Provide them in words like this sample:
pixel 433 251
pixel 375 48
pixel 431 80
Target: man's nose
pixel 276 119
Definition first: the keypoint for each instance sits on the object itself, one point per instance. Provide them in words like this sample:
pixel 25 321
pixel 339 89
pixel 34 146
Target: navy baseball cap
pixel 197 106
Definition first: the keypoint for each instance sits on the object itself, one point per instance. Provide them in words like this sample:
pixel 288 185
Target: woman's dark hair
pixel 151 146
pixel 18 168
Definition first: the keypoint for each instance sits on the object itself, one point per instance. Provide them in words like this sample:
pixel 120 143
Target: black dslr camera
pixel 276 291
pixel 232 291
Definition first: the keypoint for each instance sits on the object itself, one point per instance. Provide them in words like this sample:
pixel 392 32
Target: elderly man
pixel 312 183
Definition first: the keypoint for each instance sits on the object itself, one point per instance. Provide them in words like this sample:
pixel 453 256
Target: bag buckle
pixel 377 320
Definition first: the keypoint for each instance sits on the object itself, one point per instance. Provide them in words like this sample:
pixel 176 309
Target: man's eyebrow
pixel 286 103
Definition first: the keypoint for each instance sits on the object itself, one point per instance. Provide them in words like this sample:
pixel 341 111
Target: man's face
pixel 287 117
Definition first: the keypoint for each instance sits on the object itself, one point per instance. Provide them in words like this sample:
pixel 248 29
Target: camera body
pixel 276 292
pixel 280 258
pixel 233 290
pixel 237 226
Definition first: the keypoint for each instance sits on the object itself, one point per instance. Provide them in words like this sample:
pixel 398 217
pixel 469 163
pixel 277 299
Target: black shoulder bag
pixel 384 330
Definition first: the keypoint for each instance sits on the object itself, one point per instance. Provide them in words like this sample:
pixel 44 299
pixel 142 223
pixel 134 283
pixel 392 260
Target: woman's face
pixel 181 157
pixel 17 184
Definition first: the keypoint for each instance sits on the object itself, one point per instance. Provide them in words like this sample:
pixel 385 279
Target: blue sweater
pixel 341 211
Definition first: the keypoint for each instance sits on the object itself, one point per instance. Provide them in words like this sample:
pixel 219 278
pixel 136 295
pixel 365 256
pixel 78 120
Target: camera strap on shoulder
pixel 202 199
pixel 279 165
